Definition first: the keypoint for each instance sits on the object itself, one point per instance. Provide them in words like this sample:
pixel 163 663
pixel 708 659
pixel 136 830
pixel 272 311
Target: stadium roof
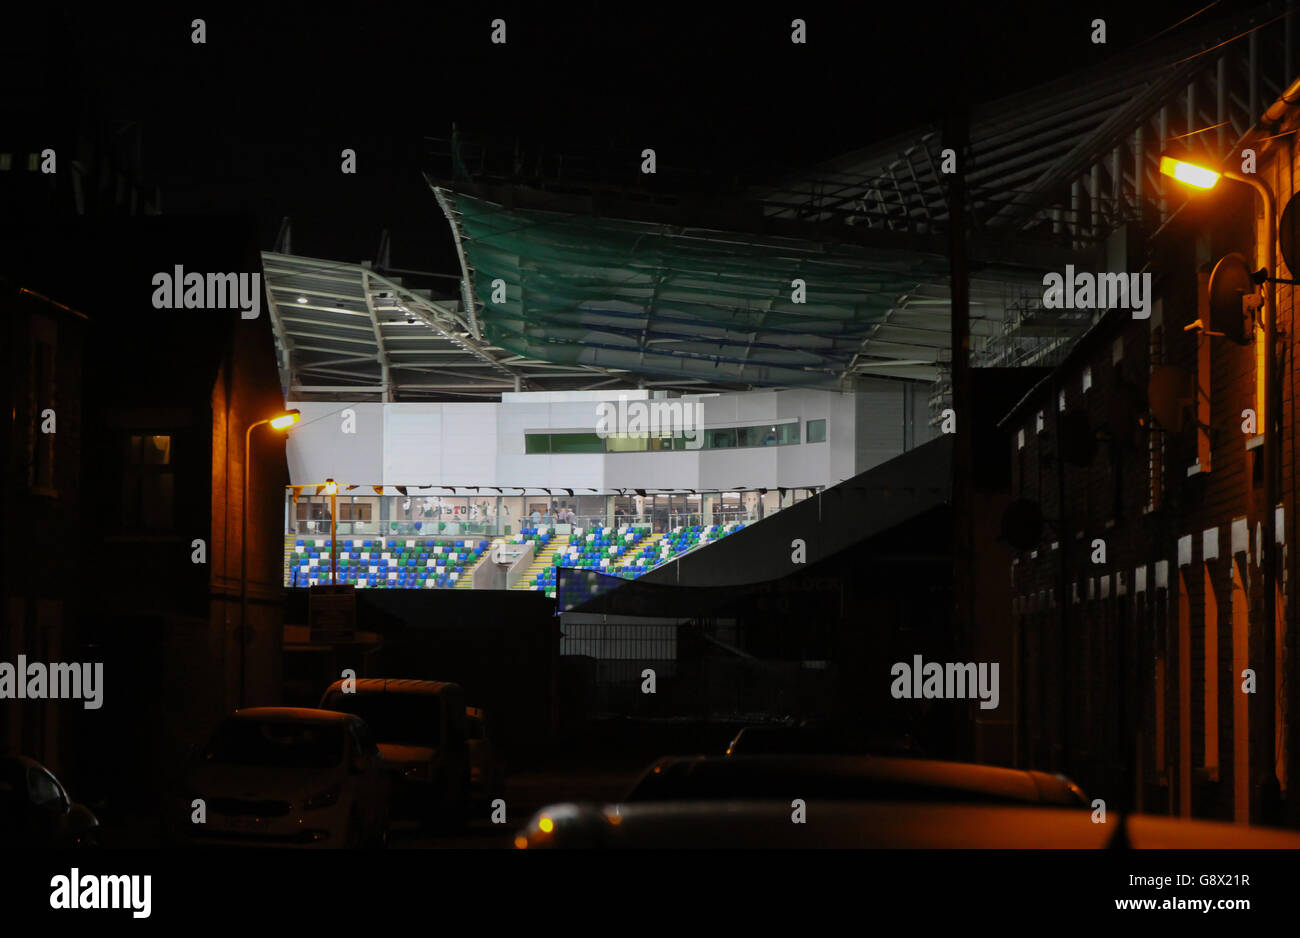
pixel 349 331
pixel 699 302
pixel 572 285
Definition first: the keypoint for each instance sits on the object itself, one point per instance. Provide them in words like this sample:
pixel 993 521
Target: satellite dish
pixel 1022 524
pixel 1229 282
pixel 1078 443
pixel 1169 392
pixel 1288 234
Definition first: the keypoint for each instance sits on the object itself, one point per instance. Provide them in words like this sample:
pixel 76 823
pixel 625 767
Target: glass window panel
pixel 817 431
pixel 720 439
pixel 537 443
pixel 577 443
pixel 624 443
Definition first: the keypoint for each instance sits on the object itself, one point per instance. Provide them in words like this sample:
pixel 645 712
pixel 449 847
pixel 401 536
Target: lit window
pixel 1038 423
pixel 6 162
pixel 33 162
pixel 1020 439
pixel 1087 377
pixel 148 483
pixel 1060 402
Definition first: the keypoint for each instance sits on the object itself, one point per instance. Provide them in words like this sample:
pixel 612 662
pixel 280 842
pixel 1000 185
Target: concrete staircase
pixel 541 561
pixel 466 580
pixel 640 545
pixel 290 545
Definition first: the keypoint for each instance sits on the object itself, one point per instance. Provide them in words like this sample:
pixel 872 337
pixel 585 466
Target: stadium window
pixel 817 431
pixel 756 436
pixel 724 438
pixel 787 433
pixel 537 443
pixel 627 443
pixel 576 443
pixel 148 487
pixel 357 511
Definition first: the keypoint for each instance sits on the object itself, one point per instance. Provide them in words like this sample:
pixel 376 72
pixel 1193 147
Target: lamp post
pixel 332 490
pixel 1266 371
pixel 282 422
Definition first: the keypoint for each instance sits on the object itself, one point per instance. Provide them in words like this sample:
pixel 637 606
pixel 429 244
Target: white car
pixel 291 777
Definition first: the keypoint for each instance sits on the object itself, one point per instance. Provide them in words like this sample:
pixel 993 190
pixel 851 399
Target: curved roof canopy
pixel 678 301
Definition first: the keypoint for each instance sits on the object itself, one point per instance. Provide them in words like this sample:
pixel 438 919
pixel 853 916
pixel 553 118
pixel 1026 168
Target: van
pixel 422 732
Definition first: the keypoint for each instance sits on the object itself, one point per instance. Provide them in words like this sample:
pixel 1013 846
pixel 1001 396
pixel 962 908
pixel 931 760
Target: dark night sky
pixel 254 121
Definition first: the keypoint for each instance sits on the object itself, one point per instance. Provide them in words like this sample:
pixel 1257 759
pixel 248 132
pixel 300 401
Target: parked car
pixel 876 825
pixel 35 810
pixel 421 730
pixel 847 778
pixel 487 770
pixel 287 776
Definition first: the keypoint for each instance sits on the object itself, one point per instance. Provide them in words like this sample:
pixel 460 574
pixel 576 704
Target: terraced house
pixel 1154 485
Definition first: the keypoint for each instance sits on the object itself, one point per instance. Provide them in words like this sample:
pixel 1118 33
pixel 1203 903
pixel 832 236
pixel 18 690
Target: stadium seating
pixel 615 552
pixel 404 562
pixel 386 563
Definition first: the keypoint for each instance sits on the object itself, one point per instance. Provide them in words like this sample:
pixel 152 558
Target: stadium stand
pixel 386 563
pixel 627 552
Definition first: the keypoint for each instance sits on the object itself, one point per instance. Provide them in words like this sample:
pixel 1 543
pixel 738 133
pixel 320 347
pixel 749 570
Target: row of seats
pixel 394 563
pixel 604 549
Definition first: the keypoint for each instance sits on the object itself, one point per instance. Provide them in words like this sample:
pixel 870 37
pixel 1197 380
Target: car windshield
pixel 281 744
pixel 403 719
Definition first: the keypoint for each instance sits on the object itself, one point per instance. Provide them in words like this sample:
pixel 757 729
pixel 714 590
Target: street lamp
pixel 332 490
pixel 1265 358
pixel 281 422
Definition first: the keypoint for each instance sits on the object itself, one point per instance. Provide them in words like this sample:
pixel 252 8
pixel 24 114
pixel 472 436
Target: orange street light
pixel 1267 411
pixel 1189 173
pixel 280 422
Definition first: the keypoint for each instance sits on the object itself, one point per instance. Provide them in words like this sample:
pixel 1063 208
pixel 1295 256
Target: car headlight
pixel 323 799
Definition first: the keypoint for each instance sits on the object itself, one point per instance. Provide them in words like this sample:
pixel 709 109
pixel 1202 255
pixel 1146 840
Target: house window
pixel 148 485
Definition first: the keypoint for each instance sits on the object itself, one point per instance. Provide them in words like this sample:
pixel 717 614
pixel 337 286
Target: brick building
pixel 1141 600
